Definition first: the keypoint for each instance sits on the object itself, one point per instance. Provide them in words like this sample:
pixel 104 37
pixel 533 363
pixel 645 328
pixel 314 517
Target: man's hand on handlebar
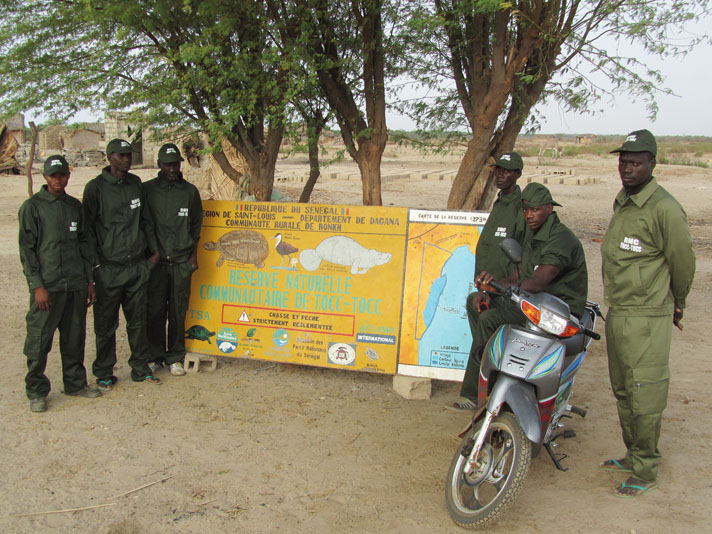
pixel 482 282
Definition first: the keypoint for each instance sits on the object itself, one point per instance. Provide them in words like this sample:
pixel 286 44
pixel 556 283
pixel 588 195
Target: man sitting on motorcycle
pixel 552 260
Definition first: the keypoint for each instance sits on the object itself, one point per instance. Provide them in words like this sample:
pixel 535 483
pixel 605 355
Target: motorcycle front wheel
pixel 479 498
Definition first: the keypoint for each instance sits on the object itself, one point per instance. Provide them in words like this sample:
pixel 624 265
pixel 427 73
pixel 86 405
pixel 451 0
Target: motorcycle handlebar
pixel 592 334
pixel 499 287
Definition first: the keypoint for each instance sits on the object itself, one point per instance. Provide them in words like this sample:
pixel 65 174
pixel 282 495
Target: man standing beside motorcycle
pixel 553 261
pixel 648 267
pixel 505 220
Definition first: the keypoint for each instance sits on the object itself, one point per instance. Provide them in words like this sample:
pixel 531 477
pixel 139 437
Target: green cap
pixel 536 195
pixel 511 161
pixel 639 141
pixel 55 164
pixel 118 146
pixel 169 153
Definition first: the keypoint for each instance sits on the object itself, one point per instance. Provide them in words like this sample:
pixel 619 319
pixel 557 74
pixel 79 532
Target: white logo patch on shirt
pixel 632 244
pixel 182 212
pixel 73 226
pixel 501 231
pixel 135 203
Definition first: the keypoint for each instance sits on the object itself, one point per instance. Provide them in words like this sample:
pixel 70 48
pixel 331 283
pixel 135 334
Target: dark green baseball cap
pixel 639 141
pixel 169 153
pixel 118 146
pixel 511 161
pixel 54 164
pixel 535 194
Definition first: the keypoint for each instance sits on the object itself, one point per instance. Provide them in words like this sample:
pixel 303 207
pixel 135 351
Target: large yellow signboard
pixel 299 283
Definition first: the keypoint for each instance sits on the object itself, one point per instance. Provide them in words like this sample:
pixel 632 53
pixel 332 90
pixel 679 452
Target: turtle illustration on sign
pixel 199 333
pixel 244 246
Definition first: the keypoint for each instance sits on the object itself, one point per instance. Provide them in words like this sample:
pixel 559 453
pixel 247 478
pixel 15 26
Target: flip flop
pixel 633 487
pixel 616 465
pixel 463 404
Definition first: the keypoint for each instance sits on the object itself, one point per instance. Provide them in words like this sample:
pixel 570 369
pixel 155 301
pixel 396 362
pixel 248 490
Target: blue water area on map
pixel 431 306
pixel 446 340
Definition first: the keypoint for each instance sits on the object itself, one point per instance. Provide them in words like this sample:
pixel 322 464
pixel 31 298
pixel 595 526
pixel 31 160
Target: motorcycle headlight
pixel 552 322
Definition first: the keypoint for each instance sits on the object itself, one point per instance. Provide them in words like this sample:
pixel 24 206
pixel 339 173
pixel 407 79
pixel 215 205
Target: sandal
pixel 463 404
pixel 616 465
pixel 106 384
pixel 633 487
pixel 152 380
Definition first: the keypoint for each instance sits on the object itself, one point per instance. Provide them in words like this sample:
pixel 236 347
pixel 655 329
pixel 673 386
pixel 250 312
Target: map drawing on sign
pixel 440 268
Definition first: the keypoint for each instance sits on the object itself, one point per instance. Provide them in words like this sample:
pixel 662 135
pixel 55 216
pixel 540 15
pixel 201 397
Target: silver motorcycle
pixel 525 381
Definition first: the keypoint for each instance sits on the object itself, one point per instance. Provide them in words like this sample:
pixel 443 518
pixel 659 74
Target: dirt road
pixel 259 447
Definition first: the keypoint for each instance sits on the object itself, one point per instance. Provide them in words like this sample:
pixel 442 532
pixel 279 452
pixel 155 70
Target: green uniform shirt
pixel 53 246
pixel 648 261
pixel 554 244
pixel 177 214
pixel 505 220
pixel 117 223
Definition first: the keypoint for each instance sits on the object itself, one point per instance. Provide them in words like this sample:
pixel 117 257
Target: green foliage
pixel 210 65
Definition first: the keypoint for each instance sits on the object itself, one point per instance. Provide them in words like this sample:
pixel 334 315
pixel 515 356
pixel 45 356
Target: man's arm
pixel 90 214
pixel 196 222
pixel 538 281
pixel 29 240
pixel 680 258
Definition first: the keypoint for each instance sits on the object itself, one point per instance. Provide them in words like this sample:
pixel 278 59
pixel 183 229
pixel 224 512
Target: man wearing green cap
pixel 119 231
pixel 648 268
pixel 56 264
pixel 552 260
pixel 177 213
pixel 505 220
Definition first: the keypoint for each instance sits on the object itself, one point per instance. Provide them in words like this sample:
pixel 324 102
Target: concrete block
pixel 193 361
pixel 412 388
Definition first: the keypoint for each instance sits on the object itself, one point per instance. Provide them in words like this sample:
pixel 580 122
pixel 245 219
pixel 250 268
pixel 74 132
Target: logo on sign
pixel 342 354
pixel 227 340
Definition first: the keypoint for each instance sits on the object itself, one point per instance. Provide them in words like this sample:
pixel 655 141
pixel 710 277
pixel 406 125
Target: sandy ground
pixel 259 447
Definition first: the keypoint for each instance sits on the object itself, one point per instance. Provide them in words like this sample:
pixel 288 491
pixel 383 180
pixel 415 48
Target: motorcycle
pixel 525 382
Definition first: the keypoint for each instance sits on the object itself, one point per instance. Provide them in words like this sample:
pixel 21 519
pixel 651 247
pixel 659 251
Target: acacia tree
pixel 494 60
pixel 347 47
pixel 211 65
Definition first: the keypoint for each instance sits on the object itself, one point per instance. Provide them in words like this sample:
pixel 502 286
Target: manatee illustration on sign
pixel 343 250
pixel 244 246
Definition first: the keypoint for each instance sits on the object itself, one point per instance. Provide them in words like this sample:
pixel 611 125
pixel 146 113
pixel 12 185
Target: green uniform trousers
pixel 68 314
pixel 168 296
pixel 482 326
pixel 125 286
pixel 638 355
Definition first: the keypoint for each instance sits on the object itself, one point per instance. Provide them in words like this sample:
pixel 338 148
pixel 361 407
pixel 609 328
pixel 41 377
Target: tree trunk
pixel 369 164
pixel 314 171
pixel 468 186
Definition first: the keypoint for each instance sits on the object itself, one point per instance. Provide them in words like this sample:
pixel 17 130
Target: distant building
pixel 16 126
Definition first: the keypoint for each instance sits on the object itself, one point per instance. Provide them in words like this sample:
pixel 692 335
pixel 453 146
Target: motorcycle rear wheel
pixel 481 498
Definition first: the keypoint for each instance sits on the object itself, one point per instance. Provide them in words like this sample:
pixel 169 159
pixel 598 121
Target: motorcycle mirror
pixel 512 250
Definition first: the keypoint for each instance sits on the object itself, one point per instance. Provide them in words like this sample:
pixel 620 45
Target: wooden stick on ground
pixel 28 169
pixel 139 488
pixel 61 511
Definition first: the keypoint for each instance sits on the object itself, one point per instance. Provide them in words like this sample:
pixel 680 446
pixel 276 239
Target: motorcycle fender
pixel 520 398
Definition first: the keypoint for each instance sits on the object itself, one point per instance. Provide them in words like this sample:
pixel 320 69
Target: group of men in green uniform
pixel 648 268
pixel 128 245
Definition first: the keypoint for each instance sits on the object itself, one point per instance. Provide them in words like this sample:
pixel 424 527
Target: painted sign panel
pixel 440 265
pixel 299 283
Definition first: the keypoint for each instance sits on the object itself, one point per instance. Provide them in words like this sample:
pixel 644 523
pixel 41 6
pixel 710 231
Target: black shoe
pixel 86 392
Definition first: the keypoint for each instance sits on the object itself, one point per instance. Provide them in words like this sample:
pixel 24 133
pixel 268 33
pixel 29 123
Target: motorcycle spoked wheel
pixel 505 456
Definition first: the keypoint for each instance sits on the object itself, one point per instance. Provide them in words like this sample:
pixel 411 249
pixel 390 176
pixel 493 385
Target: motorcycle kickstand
pixel 554 459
